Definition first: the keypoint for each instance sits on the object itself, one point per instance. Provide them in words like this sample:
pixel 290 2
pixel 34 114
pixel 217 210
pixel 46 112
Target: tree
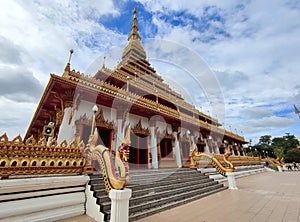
pixel 265 140
pixel 278 147
pixel 285 143
pixel 292 155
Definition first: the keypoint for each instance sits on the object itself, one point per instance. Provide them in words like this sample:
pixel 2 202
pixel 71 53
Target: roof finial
pixel 67 68
pixel 103 66
pixel 134 27
pixel 71 52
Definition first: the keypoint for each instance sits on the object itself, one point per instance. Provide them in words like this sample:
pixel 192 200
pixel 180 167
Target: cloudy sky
pixel 251 49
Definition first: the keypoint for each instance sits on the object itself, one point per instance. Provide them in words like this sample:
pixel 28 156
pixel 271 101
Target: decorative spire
pixel 134 45
pixel 103 66
pixel 134 27
pixel 67 68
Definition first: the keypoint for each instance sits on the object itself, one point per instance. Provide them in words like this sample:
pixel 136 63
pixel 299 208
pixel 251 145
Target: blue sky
pixel 247 50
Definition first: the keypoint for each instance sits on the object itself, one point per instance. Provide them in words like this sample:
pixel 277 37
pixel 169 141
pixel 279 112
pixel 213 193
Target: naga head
pixel 124 148
pixel 228 152
pixel 124 151
pixel 91 143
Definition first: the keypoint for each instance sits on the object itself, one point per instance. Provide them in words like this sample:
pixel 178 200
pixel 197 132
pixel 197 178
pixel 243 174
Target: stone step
pixel 151 211
pixel 157 189
pixel 157 185
pixel 146 199
pixel 165 200
pixel 161 193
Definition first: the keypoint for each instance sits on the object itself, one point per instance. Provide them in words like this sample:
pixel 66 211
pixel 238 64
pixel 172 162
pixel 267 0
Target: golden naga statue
pixel 112 179
pixel 196 157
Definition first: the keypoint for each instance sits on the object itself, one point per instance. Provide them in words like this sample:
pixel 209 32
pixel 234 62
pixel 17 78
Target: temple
pixel 164 127
pixel 144 136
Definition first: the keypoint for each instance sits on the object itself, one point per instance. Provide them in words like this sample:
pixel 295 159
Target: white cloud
pixel 253 47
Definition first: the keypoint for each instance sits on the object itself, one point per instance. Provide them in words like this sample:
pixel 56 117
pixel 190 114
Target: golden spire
pixel 67 68
pixel 134 27
pixel 134 43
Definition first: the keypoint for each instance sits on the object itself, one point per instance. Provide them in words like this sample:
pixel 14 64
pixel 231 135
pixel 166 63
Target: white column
pixel 231 181
pixel 119 205
pixel 232 150
pixel 193 145
pixel 217 151
pixel 153 147
pixel 177 150
pixel 66 130
pixel 206 148
pixel 120 135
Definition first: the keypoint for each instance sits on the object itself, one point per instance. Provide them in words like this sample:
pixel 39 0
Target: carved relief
pixel 18 158
pixel 138 129
pixel 101 122
pixel 167 135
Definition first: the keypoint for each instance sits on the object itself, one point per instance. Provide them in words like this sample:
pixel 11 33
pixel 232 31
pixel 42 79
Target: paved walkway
pixel 270 196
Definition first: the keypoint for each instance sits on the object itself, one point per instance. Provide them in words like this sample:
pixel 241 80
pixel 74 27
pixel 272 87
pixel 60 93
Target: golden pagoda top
pixel 134 45
pixel 134 28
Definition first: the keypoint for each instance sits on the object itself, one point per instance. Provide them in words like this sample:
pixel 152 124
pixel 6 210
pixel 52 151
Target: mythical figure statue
pixel 112 179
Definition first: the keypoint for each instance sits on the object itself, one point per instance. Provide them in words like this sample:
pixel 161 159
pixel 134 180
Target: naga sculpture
pixel 196 157
pixel 112 179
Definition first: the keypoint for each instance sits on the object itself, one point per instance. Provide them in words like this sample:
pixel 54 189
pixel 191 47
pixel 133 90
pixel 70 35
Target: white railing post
pixel 119 205
pixel 231 181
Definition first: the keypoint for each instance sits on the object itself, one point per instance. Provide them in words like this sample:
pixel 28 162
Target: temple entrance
pixel 185 153
pixel 222 149
pixel 200 148
pixel 166 149
pixel 166 154
pixel 185 147
pixel 138 157
pixel 105 136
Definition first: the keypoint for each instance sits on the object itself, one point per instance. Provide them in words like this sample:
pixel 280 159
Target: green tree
pixel 283 144
pixel 265 140
pixel 281 147
pixel 292 155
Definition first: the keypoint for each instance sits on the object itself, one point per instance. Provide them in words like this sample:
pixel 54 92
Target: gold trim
pixel 38 158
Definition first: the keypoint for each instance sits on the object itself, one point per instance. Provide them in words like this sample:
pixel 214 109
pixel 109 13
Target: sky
pixel 237 61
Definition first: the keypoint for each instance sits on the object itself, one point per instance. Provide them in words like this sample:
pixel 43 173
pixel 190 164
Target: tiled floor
pixel 270 196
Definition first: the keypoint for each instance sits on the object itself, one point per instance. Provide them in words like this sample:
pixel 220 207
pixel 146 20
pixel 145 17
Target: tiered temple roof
pixel 134 83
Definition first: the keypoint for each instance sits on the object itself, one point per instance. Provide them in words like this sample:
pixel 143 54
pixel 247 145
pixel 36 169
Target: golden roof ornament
pixel 134 27
pixel 67 68
pixel 134 44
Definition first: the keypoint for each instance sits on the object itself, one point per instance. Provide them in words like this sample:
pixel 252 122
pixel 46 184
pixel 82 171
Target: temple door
pixel 138 157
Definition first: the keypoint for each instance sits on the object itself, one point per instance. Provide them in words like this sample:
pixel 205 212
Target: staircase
pixel 240 171
pixel 154 191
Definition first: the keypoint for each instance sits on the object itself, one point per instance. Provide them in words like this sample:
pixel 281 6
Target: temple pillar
pixel 193 144
pixel 217 151
pixel 177 150
pixel 232 150
pixel 153 147
pixel 121 119
pixel 119 134
pixel 66 129
pixel 206 148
